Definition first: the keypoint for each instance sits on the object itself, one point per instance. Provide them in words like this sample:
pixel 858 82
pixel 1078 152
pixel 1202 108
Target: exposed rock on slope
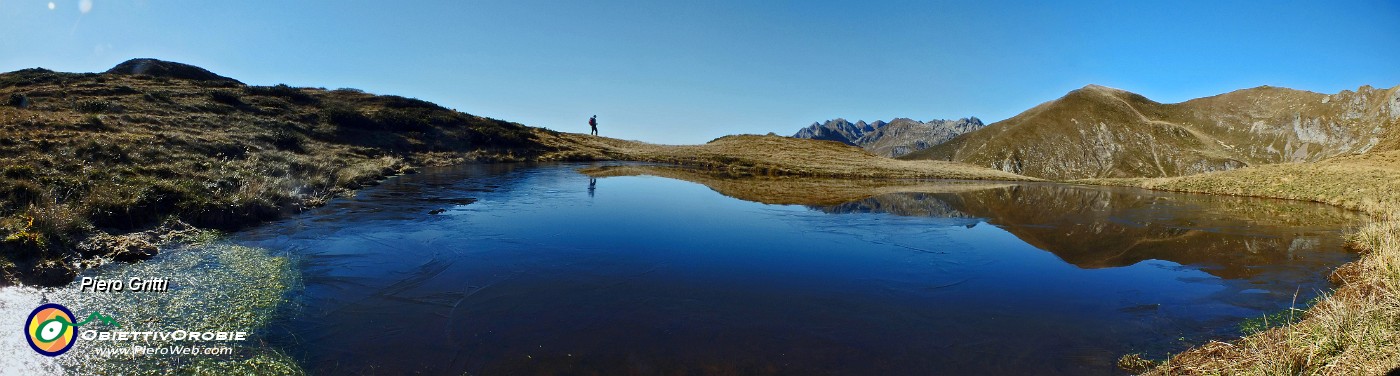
pixel 903 136
pixel 895 138
pixel 1100 132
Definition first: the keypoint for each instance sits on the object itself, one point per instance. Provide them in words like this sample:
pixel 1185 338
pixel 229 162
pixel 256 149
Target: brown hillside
pixel 1099 132
pixel 84 156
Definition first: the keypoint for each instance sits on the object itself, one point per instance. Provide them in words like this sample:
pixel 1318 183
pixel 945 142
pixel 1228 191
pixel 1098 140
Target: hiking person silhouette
pixel 593 122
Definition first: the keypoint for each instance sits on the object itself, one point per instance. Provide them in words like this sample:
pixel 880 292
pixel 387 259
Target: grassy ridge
pixel 1354 331
pixel 85 154
pixel 751 155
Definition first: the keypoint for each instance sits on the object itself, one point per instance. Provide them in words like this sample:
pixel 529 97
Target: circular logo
pixel 50 329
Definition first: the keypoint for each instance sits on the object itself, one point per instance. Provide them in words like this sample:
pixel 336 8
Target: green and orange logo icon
pixel 51 329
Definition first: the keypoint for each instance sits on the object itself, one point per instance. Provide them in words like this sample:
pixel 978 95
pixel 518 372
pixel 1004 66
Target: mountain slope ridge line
pixel 1136 137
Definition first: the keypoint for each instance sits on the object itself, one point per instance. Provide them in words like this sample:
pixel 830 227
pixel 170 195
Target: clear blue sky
pixel 687 72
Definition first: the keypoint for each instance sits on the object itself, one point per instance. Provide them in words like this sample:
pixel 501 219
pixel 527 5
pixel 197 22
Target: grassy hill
pixel 83 154
pixel 1099 132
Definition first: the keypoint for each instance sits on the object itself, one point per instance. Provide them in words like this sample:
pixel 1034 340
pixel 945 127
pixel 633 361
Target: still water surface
pixel 542 270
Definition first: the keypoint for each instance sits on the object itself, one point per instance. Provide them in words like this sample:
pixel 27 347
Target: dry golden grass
pixel 1365 182
pixel 1355 330
pixel 751 155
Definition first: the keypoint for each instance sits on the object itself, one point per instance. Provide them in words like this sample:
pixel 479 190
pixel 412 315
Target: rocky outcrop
pixel 903 136
pixel 895 138
pixel 1100 132
pixel 838 130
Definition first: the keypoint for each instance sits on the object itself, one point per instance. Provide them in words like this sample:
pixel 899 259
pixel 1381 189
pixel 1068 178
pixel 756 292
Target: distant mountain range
pixel 897 137
pixel 1101 132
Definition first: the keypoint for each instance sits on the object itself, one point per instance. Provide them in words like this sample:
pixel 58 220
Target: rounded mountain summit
pixel 162 68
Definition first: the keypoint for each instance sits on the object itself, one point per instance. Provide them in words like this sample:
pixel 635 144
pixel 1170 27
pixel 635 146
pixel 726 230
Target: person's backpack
pixel 593 121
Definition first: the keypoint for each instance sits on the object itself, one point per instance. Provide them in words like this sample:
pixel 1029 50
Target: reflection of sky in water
pixel 539 269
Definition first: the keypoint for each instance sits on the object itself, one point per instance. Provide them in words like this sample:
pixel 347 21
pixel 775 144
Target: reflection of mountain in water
pixel 1089 227
pixel 1096 227
pixel 904 203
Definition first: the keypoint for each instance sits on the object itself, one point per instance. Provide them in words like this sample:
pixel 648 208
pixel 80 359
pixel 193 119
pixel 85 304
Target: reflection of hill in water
pixel 1093 227
pixel 1089 227
pixel 791 190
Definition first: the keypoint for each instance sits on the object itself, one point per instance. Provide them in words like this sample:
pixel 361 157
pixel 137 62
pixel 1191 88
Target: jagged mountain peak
pixel 897 137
